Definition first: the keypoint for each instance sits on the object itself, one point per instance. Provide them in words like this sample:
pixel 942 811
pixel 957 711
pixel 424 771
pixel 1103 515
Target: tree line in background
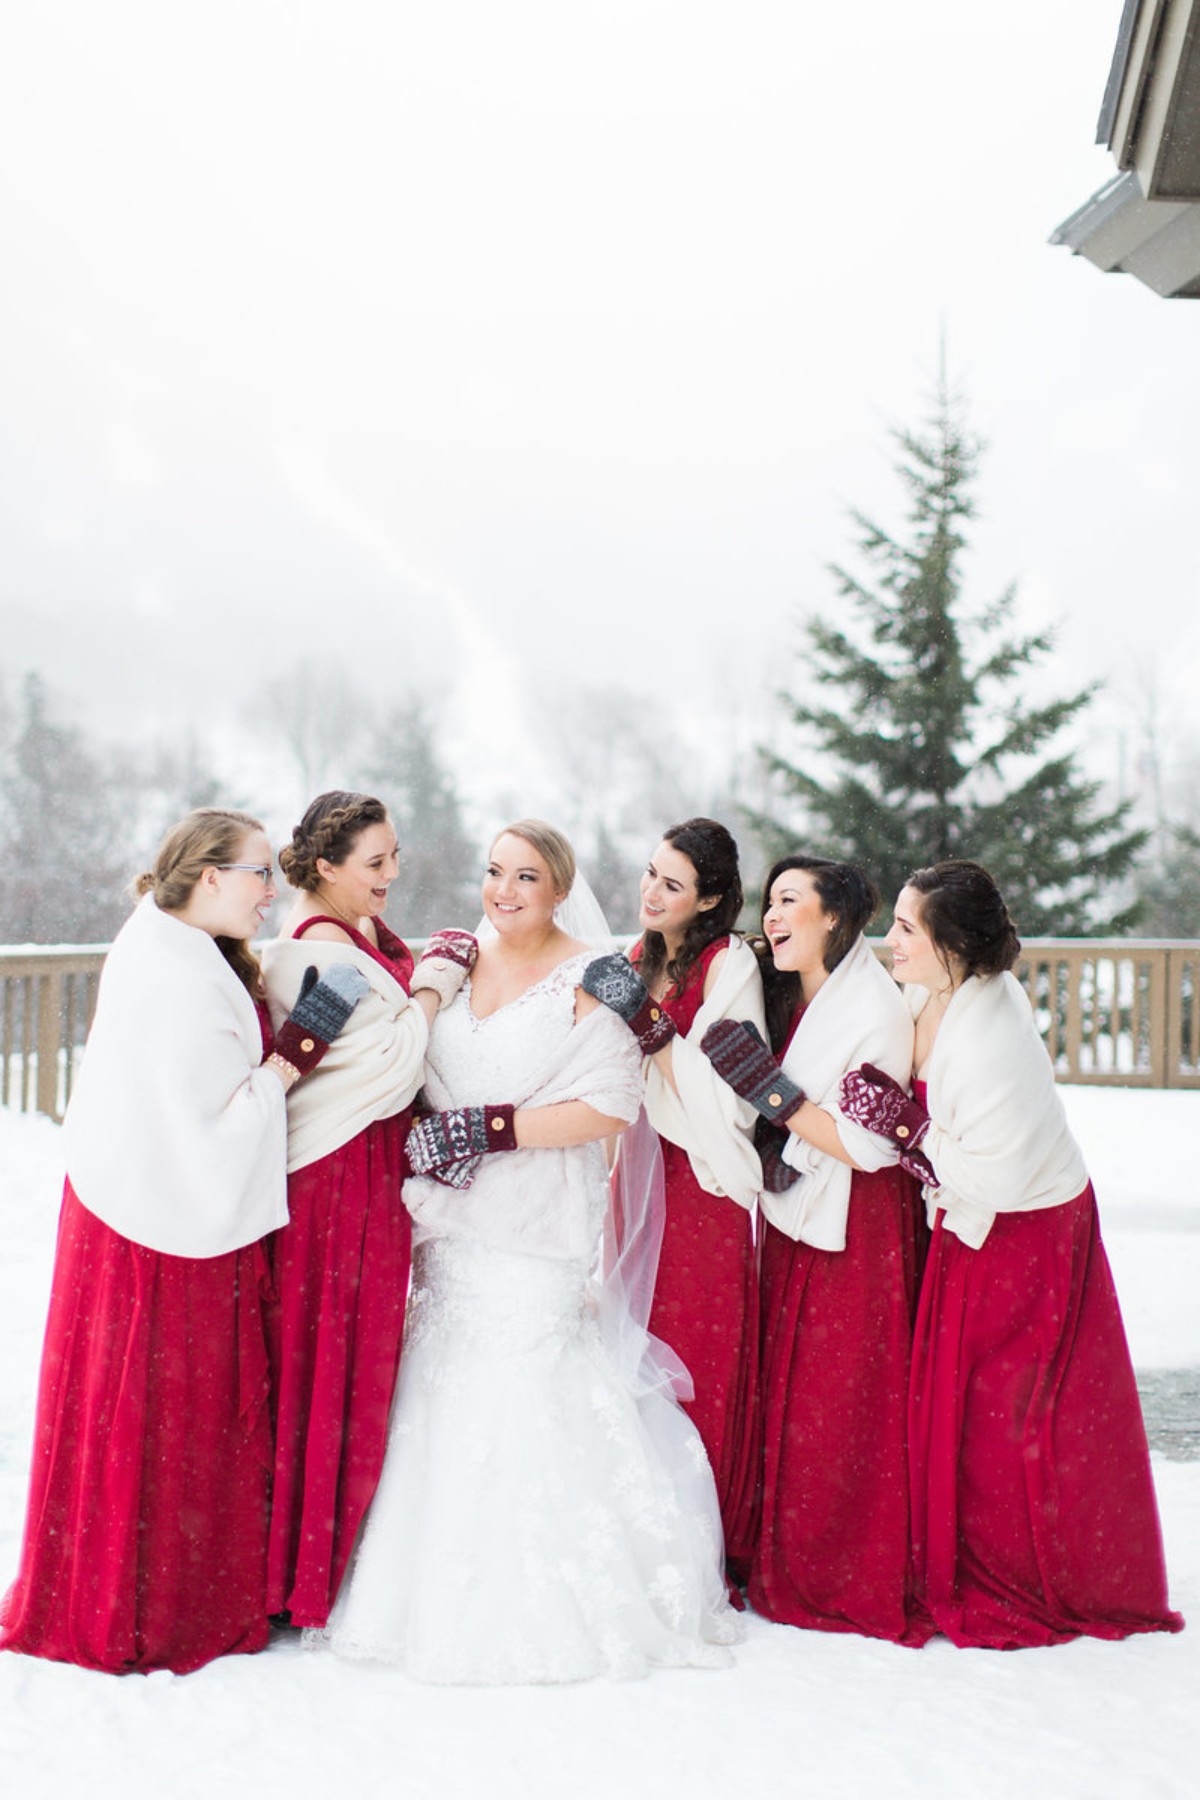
pixel 909 735
pixel 82 817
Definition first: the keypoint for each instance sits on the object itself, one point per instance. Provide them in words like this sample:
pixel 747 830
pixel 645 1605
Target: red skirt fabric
pixel 146 1535
pixel 1034 1516
pixel 706 1308
pixel 833 1551
pixel 341 1275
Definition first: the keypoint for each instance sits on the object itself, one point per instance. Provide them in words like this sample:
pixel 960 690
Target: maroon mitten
pixel 736 1051
pixel 873 1100
pixel 778 1176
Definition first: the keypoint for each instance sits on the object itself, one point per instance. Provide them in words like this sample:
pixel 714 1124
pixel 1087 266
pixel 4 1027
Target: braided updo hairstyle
pixel 328 832
pixel 713 854
pixel 851 899
pixel 964 913
pixel 203 840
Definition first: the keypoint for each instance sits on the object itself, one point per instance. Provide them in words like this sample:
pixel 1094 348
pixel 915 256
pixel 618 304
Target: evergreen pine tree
pixel 66 827
pixel 929 747
pixel 1169 888
pixel 440 863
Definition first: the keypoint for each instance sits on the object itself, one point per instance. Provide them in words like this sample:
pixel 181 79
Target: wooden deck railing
pixel 1115 1013
pixel 1121 1014
pixel 47 997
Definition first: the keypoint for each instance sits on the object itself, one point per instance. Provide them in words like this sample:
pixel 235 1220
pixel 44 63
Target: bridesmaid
pixel 838 1266
pixel 146 1535
pixel 342 1263
pixel 706 1292
pixel 1034 1517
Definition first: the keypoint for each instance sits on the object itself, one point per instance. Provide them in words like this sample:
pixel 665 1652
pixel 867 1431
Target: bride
pixel 546 1511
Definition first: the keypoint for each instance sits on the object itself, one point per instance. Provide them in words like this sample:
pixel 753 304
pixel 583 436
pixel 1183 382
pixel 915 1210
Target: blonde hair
pixel 553 848
pixel 203 840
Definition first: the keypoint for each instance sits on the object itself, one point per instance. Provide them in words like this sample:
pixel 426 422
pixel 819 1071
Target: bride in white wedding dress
pixel 546 1511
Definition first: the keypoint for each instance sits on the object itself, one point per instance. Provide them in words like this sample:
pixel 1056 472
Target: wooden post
pixel 49 1037
pixel 1167 1041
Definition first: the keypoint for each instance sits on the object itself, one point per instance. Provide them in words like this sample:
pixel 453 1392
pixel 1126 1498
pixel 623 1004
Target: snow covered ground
pixel 799 1714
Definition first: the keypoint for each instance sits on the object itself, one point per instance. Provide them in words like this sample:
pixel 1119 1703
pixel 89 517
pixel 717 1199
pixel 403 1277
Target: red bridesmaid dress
pixel 706 1308
pixel 341 1270
pixel 1034 1515
pixel 146 1534
pixel 833 1551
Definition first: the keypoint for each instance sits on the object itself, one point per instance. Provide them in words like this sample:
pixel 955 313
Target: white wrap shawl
pixel 998 1137
pixel 175 1135
pixel 857 1015
pixel 706 1118
pixel 543 1202
pixel 372 1070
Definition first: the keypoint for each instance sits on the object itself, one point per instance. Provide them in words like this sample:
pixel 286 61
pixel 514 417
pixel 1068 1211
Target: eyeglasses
pixel 264 871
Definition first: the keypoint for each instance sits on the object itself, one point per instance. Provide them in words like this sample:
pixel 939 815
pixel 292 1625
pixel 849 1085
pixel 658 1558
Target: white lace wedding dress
pixel 542 1514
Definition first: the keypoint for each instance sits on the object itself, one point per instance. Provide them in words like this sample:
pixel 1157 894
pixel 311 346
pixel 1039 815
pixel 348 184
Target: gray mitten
pixel 319 1014
pixel 615 982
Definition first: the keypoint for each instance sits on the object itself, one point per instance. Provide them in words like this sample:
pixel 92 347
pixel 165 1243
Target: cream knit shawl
pixel 373 1067
pixel 999 1139
pixel 175 1134
pixel 857 1015
pixel 705 1117
pixel 543 1202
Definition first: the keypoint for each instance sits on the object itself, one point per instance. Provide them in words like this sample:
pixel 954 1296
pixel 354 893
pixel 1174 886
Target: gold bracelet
pixel 282 1064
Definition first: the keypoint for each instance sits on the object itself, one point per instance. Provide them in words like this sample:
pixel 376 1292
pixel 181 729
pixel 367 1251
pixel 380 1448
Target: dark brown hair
pixel 328 831
pixel 203 840
pixel 851 899
pixel 964 913
pixel 713 854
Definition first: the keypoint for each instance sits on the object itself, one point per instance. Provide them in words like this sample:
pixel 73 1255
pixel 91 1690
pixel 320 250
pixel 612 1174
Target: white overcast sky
pixel 557 335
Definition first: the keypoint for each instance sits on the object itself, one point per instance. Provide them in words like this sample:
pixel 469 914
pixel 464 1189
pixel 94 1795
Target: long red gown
pixel 706 1308
pixel 146 1534
pixel 341 1270
pixel 833 1551
pixel 1034 1516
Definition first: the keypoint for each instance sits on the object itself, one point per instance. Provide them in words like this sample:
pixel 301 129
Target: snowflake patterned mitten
pixel 462 1134
pixel 448 959
pixel 615 982
pixel 874 1100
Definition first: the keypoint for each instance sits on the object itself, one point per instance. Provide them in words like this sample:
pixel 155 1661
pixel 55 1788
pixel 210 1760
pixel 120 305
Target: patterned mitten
pixel 736 1051
pixel 448 959
pixel 319 1014
pixel 458 1175
pixel 872 1099
pixel 615 982
pixel 778 1176
pixel 465 1133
